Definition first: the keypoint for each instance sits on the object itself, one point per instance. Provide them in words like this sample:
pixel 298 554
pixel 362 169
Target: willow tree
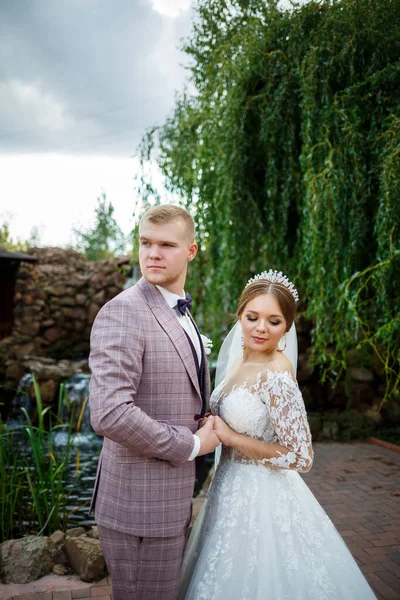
pixel 288 154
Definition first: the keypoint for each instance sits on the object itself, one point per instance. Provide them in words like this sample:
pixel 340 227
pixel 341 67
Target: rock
pixel 361 374
pixel 373 415
pixel 26 559
pixel 79 281
pixel 14 371
pixel 47 368
pixel 361 393
pixel 40 294
pixel 99 281
pixel 112 291
pixel 60 569
pixel 31 328
pixel 118 279
pixel 80 299
pixel 79 313
pixel 93 310
pixel 79 325
pixel 48 391
pixel 94 532
pixel 99 298
pixel 48 323
pixel 58 538
pixel 67 301
pixel 22 351
pixel 59 557
pixel 56 290
pixel 85 556
pixel 330 430
pixel 75 532
pixel 53 334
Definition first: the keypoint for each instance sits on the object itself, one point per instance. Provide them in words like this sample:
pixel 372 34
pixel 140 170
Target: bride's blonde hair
pixel 283 296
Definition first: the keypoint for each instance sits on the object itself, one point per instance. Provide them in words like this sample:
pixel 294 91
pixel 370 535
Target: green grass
pixel 33 472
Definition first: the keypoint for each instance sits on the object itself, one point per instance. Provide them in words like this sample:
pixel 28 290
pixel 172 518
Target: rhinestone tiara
pixel 276 277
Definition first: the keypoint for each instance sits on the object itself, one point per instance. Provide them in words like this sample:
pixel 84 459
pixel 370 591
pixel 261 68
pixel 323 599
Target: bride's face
pixel 262 323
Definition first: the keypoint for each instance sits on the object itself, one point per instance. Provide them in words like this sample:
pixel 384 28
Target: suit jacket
pixel 144 395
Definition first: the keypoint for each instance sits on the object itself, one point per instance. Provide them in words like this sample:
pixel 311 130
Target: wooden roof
pixel 22 256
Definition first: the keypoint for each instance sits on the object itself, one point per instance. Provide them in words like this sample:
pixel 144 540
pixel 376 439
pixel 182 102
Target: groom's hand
pixel 203 420
pixel 208 440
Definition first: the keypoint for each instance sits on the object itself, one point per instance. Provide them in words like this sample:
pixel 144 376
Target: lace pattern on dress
pixel 272 410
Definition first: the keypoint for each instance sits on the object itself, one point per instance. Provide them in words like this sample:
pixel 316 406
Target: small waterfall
pixel 77 391
pixel 76 395
pixel 22 399
pixel 133 278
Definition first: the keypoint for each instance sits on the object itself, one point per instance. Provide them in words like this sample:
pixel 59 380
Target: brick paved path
pixel 359 486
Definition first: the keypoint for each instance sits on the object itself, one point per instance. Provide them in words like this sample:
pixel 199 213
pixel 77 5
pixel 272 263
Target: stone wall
pixel 56 302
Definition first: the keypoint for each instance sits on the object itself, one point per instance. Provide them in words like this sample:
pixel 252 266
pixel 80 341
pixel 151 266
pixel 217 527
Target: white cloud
pixel 171 8
pixel 49 111
pixel 39 111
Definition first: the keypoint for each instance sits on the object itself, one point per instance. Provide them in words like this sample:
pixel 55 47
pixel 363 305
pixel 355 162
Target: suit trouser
pixel 142 568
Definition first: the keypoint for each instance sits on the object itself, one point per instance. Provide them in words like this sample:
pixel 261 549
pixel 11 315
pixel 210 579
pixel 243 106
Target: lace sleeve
pixel 289 420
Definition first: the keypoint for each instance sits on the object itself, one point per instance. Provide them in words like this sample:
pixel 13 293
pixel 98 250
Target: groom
pixel 149 388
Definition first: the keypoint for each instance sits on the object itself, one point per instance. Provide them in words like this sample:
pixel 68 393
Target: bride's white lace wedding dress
pixel 261 534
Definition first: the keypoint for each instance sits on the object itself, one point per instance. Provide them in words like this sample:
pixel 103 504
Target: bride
pixel 261 534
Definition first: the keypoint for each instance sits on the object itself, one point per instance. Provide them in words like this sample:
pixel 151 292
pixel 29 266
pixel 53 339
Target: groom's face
pixel 164 252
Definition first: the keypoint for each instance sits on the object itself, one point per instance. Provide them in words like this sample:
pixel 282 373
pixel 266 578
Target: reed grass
pixel 34 472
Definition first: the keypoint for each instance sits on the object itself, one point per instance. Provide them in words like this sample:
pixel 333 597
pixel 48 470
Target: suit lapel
pixel 169 323
pixel 204 371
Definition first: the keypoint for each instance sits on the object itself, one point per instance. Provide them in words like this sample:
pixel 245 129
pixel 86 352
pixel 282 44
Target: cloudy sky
pixel 80 81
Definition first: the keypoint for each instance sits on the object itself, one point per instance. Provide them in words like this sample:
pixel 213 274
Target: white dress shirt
pixel 187 324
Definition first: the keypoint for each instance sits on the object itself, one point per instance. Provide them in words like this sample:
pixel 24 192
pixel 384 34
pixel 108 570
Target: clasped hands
pixel 212 431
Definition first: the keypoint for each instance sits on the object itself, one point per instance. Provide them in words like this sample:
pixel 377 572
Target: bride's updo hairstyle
pixel 281 293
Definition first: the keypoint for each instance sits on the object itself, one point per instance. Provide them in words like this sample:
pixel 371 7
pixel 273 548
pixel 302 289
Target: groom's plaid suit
pixel 144 395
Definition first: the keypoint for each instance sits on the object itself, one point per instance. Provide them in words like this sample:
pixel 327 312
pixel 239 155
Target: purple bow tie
pixel 184 303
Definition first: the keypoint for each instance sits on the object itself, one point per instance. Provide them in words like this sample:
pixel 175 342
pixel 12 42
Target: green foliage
pixel 12 485
pixel 105 239
pixel 8 243
pixel 288 155
pixel 391 435
pixel 33 472
pixel 353 425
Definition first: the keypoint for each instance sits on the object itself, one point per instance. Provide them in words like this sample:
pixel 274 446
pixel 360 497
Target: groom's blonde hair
pixel 169 213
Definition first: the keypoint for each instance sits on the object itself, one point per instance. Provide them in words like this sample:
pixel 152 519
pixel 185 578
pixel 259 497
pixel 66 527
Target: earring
pixel 242 342
pixel 284 339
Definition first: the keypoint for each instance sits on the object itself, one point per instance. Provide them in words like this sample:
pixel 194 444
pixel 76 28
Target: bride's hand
pixel 224 432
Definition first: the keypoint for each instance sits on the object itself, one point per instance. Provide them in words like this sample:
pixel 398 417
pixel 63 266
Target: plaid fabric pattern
pixel 142 568
pixel 144 394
